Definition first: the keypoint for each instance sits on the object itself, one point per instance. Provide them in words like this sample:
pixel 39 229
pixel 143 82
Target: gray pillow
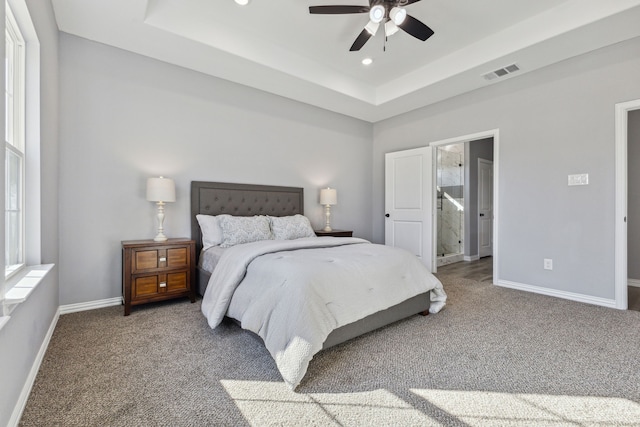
pixel 291 227
pixel 243 229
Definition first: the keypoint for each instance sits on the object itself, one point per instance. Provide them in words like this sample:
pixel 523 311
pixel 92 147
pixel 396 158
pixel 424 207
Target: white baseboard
pixel 604 302
pixel 633 282
pixel 472 258
pixel 91 305
pixel 31 378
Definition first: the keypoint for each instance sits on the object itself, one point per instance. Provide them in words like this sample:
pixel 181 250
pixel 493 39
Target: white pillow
pixel 211 231
pixel 291 227
pixel 243 229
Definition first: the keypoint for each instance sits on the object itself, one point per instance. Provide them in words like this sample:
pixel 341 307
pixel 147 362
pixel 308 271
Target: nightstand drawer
pixel 145 286
pixel 178 257
pixel 145 260
pixel 150 259
pixel 177 281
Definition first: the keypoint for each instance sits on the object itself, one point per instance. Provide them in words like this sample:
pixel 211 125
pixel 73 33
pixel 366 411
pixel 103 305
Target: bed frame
pixel 216 198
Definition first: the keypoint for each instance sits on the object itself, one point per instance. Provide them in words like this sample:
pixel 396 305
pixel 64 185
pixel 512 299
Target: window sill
pixel 22 284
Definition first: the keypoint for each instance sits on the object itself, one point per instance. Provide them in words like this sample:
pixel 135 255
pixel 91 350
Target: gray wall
pixel 474 150
pixel 22 337
pixel 553 122
pixel 633 195
pixel 125 117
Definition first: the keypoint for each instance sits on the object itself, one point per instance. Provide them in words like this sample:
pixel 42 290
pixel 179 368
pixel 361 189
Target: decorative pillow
pixel 243 229
pixel 291 227
pixel 211 231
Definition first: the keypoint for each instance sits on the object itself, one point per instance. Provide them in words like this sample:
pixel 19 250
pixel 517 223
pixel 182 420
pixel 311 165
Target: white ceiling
pixel 278 47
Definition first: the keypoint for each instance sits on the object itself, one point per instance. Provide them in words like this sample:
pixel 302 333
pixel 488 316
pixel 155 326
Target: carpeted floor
pixel 493 356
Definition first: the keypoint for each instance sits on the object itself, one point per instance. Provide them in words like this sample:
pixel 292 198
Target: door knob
pixel 387 215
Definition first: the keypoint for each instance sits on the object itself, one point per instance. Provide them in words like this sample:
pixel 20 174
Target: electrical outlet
pixel 548 264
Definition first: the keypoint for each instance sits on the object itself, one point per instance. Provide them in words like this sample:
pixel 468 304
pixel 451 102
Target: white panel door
pixel 408 213
pixel 485 208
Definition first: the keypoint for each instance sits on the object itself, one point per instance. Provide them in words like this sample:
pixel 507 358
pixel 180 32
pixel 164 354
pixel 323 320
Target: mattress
pixel 209 258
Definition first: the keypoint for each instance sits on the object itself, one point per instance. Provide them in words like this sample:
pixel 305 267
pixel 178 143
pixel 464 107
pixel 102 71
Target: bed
pixel 243 200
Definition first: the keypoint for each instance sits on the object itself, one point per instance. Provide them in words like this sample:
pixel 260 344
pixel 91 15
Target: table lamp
pixel 328 197
pixel 161 190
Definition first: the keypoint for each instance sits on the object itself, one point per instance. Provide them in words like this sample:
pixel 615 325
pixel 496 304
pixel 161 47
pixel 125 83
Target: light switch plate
pixel 579 179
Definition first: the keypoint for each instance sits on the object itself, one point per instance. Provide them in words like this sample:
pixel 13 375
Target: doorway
pixel 627 208
pixel 483 145
pixel 464 201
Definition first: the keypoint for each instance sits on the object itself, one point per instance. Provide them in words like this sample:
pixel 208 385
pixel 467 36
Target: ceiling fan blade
pixel 338 10
pixel 360 40
pixel 416 28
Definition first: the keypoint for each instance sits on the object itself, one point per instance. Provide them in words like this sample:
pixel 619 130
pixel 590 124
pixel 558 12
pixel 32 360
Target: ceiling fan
pixel 389 12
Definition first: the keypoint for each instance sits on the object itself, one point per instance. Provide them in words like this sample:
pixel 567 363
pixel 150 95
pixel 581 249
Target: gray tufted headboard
pixel 216 198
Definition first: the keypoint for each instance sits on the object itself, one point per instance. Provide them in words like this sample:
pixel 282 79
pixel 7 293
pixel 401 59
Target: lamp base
pixel 327 214
pixel 160 238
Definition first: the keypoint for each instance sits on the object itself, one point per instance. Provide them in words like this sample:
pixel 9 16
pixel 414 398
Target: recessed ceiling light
pixel 242 2
pixel 367 61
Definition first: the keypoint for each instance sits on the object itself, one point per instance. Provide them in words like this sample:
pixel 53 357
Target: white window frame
pixel 15 143
pixel 17 288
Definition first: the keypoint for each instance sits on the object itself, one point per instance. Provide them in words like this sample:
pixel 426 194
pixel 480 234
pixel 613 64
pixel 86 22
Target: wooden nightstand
pixel 156 271
pixel 334 233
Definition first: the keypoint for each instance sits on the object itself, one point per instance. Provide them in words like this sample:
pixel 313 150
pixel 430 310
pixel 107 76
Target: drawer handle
pixel 163 284
pixel 163 259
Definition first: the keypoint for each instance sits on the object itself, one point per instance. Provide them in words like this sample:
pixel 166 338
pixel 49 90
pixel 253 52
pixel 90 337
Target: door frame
pixel 481 160
pixel 621 271
pixel 495 134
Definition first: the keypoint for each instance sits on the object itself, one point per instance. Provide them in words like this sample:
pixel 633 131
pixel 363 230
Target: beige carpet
pixel 494 356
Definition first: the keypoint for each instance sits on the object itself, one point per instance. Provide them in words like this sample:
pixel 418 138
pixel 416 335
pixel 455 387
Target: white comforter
pixel 293 293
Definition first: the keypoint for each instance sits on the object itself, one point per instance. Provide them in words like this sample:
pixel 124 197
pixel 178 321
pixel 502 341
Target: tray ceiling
pixel 278 47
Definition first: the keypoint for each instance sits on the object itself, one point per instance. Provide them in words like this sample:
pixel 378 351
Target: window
pixel 14 145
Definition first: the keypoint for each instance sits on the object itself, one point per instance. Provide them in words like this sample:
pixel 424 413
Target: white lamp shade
pixel 376 13
pixel 328 196
pixel 390 28
pixel 398 15
pixel 372 27
pixel 161 190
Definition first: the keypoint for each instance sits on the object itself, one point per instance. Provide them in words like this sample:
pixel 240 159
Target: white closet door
pixel 485 208
pixel 408 202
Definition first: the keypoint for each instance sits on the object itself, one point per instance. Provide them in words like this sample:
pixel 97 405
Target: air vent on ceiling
pixel 501 72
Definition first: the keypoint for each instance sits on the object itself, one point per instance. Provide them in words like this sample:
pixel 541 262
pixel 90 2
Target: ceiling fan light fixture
pixel 390 28
pixel 398 15
pixel 376 14
pixel 372 27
